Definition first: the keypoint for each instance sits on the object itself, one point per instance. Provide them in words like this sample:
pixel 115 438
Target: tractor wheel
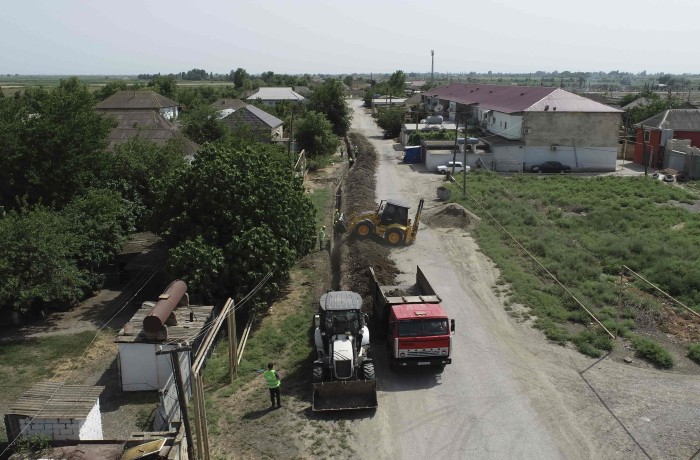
pixel 364 229
pixel 394 237
pixel 318 374
pixel 368 370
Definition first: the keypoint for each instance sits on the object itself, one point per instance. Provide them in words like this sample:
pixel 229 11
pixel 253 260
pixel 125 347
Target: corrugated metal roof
pixel 564 101
pixel 676 119
pixel 270 120
pixel 135 100
pixel 276 94
pixel 56 400
pixel 184 331
pixel 513 99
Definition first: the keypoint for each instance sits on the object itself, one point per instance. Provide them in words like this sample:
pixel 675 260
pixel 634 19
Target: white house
pixel 139 100
pixel 273 95
pixel 544 123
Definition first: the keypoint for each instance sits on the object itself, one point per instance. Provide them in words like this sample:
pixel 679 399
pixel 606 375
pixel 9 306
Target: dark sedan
pixel 551 167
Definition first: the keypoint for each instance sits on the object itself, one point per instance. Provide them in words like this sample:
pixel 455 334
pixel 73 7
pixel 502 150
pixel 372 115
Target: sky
pixel 97 37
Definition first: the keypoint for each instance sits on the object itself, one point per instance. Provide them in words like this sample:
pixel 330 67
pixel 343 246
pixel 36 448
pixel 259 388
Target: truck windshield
pixel 422 327
pixel 340 321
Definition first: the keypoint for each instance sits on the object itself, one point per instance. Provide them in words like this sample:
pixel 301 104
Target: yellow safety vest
pixel 271 379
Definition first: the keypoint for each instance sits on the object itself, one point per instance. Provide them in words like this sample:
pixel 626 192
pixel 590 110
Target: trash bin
pixel 444 193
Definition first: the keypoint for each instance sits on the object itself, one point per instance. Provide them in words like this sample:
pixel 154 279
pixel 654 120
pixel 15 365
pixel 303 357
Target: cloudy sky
pixel 339 37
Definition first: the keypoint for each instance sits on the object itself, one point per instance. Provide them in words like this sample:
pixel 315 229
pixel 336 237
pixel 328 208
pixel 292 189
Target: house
pixel 148 125
pixel 265 127
pixel 226 107
pixel 139 100
pixel 542 123
pixel 271 96
pixel 653 134
pixel 683 157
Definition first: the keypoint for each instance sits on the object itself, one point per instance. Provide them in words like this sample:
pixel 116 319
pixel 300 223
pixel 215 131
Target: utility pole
pixel 232 346
pixel 289 144
pixel 644 150
pixel 181 395
pixel 432 66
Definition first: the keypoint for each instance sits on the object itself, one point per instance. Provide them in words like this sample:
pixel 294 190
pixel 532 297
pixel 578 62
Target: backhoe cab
pixel 389 221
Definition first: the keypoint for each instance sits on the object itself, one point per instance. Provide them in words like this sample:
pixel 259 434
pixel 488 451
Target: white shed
pixel 62 412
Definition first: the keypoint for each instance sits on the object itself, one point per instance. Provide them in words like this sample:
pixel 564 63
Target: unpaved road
pixel 509 393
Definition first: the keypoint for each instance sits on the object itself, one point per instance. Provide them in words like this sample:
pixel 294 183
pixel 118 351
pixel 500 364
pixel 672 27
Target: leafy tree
pixel 51 144
pixel 397 83
pixel 202 125
pixel 391 119
pixel 242 208
pixel 240 78
pixel 329 99
pixel 314 133
pixel 165 85
pixel 348 80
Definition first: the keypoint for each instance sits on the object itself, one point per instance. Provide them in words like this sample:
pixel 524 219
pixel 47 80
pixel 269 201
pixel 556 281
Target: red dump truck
pixel 410 317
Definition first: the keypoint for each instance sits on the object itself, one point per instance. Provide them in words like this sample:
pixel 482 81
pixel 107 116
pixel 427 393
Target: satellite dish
pixel 438 108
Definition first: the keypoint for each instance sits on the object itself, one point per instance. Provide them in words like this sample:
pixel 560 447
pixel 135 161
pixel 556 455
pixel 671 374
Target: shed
pixel 62 412
pixel 140 368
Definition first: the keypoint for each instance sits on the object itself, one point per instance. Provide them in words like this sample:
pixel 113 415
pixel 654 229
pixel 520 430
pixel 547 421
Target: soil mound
pixel 451 215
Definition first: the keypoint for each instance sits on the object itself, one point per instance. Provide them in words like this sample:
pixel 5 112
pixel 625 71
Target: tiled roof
pixel 223 104
pixel 513 99
pixel 147 125
pixel 676 119
pixel 276 94
pixel 126 100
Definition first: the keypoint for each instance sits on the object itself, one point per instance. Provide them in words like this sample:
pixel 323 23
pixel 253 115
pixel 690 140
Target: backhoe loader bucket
pixel 344 395
pixel 341 225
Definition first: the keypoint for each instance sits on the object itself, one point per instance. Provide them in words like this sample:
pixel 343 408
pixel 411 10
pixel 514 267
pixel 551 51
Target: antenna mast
pixel 432 66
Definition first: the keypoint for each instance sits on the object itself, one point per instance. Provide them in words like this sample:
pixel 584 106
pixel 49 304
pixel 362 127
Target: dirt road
pixel 509 393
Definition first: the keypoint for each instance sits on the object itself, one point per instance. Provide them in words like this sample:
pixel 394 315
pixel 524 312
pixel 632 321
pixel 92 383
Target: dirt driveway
pixel 509 393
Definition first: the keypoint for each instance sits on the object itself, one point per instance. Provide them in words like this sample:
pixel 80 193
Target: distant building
pixel 140 100
pixel 226 107
pixel 273 95
pixel 537 124
pixel 654 133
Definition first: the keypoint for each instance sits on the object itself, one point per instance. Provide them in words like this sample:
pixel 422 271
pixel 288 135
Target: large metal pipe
pixel 167 301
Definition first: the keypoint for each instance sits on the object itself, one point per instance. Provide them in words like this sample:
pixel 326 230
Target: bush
pixel 651 351
pixel 694 352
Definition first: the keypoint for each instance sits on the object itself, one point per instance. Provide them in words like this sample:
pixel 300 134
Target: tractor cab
pixel 393 212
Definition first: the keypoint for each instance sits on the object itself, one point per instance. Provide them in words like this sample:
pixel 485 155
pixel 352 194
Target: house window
pixel 505 126
pixel 647 135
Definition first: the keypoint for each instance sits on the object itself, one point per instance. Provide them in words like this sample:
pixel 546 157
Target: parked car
pixel 442 169
pixel 551 167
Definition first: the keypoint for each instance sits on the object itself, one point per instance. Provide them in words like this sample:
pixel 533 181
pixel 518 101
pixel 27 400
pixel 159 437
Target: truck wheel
pixel 363 229
pixel 368 371
pixel 318 374
pixel 394 237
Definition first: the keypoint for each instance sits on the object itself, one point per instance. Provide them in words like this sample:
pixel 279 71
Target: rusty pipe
pixel 167 302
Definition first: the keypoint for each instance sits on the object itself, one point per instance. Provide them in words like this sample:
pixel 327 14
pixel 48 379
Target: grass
pixel 583 230
pixel 651 351
pixel 694 352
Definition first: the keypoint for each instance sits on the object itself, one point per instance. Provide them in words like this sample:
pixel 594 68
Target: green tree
pixel 165 85
pixel 109 89
pixel 240 78
pixel 314 133
pixel 391 119
pixel 243 208
pixel 202 125
pixel 397 83
pixel 51 144
pixel 329 99
pixel 348 80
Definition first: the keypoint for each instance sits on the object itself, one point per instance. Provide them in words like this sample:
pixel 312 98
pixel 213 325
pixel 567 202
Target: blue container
pixel 412 154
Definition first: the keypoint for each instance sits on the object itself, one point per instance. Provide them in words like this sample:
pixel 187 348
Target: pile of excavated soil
pixel 451 215
pixel 358 255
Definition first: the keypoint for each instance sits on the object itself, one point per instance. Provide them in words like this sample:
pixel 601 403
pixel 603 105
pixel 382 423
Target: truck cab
pixel 419 335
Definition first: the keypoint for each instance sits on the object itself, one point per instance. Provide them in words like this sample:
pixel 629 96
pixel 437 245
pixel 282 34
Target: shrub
pixel 694 352
pixel 651 351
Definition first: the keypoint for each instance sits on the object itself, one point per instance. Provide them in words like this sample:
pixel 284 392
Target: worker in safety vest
pixel 321 237
pixel 272 378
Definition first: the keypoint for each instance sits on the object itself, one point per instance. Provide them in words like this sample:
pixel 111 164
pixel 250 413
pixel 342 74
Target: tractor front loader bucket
pixel 344 395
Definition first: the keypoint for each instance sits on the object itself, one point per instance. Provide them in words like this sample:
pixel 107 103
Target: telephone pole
pixel 432 66
pixel 181 394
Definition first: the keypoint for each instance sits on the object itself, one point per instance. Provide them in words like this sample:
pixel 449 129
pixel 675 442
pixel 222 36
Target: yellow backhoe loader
pixel 389 221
